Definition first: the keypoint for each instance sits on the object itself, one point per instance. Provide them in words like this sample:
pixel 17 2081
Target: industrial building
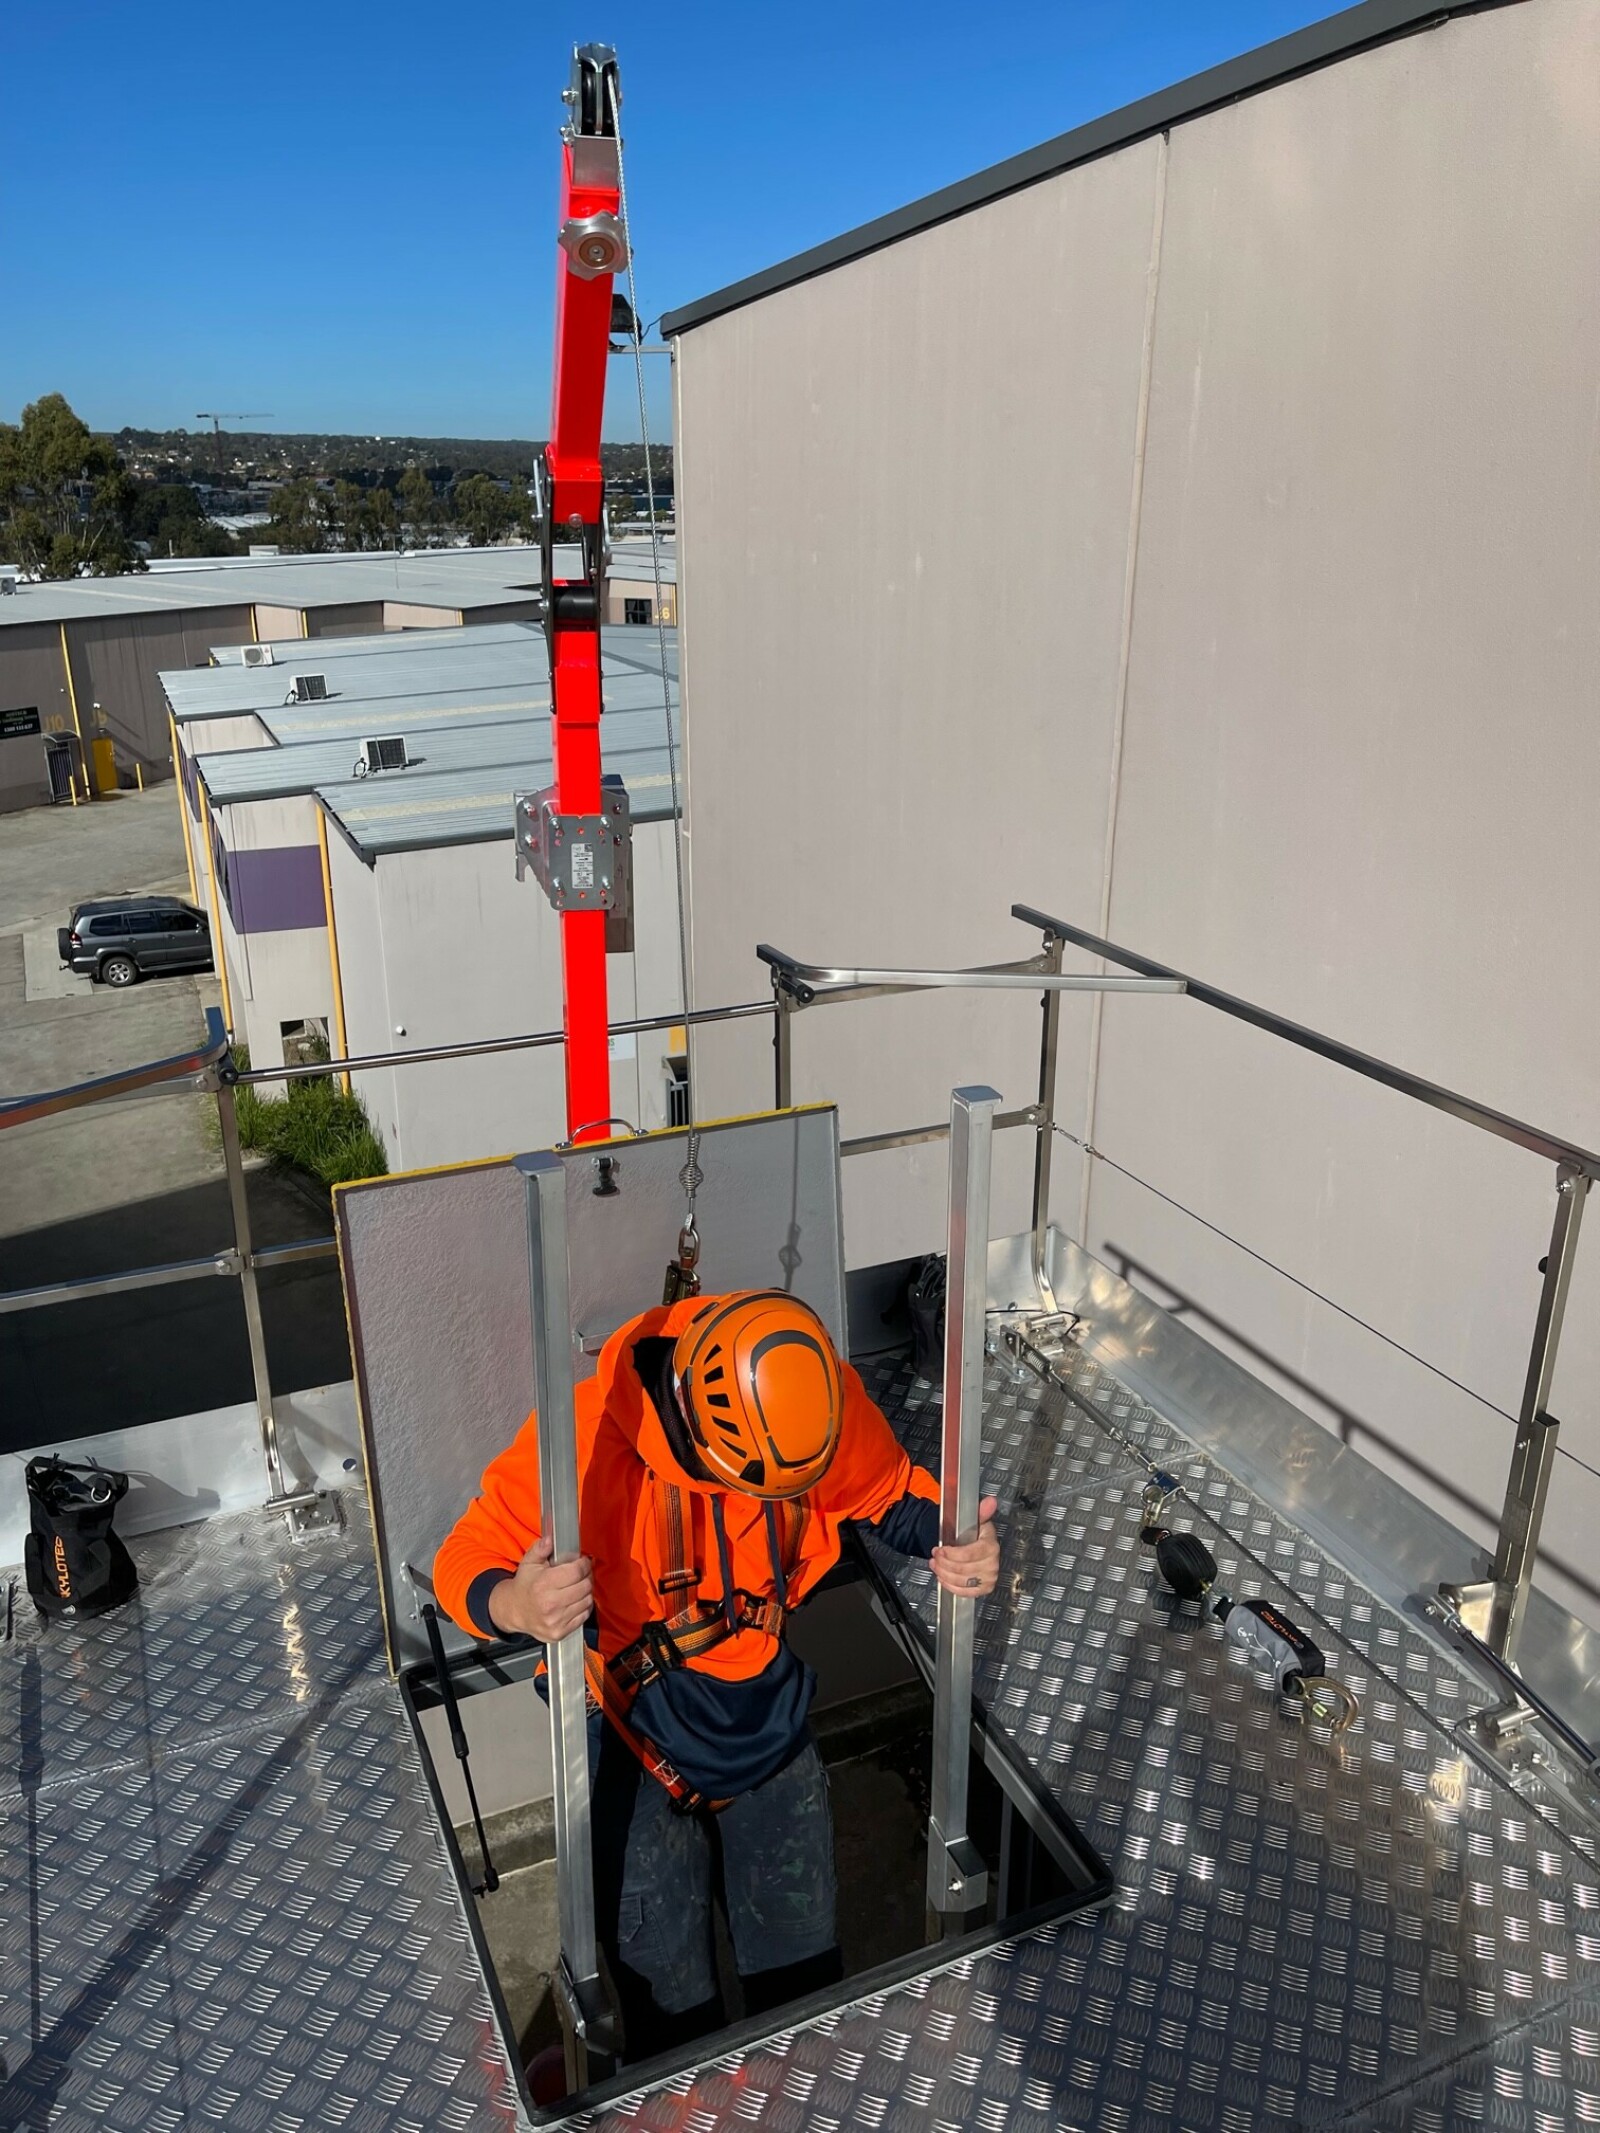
pixel 437 943
pixel 632 579
pixel 79 658
pixel 381 907
pixel 1310 714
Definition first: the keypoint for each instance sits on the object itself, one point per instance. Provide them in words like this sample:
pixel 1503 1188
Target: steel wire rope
pixel 1099 1155
pixel 690 1177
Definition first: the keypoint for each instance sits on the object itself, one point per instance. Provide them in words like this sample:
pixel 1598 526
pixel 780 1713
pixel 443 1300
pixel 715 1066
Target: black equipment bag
pixel 75 1563
pixel 925 1302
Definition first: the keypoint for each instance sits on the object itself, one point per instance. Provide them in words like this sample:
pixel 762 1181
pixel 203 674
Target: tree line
pixel 70 506
pixel 198 455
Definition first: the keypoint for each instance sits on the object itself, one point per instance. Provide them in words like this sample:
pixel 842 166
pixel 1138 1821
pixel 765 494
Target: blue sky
pixel 345 214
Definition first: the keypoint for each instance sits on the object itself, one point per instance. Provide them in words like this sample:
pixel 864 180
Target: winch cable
pixel 690 1177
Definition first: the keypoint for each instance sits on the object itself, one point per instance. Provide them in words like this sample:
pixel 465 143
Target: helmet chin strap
pixel 675 1425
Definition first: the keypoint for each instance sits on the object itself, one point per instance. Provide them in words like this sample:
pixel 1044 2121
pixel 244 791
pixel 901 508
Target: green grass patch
pixel 316 1127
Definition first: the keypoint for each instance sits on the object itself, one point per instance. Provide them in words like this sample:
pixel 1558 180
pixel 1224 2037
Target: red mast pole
pixel 592 249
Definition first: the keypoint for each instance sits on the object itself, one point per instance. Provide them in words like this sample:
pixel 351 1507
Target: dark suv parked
pixel 121 939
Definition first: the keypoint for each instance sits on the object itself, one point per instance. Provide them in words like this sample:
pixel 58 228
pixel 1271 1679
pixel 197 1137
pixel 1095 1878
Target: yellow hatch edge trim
pixel 347 1293
pixel 615 1140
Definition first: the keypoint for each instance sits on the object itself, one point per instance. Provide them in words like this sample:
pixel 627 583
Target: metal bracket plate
pixel 582 862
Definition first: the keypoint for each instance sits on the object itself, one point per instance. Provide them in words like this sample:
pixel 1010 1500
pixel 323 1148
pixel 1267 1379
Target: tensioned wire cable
pixel 690 1177
pixel 1099 1155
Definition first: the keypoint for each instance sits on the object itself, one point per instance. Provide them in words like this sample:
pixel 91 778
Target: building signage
pixel 15 724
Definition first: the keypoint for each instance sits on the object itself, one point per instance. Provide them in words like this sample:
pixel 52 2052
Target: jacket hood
pixel 630 1406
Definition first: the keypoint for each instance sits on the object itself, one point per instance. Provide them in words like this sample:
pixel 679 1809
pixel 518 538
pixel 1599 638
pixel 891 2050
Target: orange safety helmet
pixel 761 1392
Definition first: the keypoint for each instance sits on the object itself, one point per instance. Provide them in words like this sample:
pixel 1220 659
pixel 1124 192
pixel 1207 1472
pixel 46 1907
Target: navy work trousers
pixel 769 1852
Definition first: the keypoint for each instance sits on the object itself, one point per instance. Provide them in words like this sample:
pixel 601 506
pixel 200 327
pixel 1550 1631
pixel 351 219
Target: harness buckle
pixel 651 1654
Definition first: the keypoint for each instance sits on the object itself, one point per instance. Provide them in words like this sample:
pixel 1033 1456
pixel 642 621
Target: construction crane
pixel 573 838
pixel 250 414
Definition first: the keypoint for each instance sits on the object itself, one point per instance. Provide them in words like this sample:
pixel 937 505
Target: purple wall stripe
pixel 276 890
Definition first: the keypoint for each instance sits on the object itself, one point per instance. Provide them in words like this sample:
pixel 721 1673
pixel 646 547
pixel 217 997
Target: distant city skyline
pixel 351 222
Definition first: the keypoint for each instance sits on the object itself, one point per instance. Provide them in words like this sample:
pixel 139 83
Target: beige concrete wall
pixel 117 661
pixel 273 624
pixel 1338 709
pixel 347 618
pixel 408 615
pixel 621 589
pixel 290 977
pixel 219 736
pixel 873 668
pixel 363 981
pixel 32 677
pixel 444 947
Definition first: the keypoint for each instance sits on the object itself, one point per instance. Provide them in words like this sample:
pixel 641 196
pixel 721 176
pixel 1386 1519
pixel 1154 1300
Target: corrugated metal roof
pixel 298 654
pixel 281 773
pixel 630 560
pixel 633 720
pixel 457 668
pixel 403 812
pixel 294 724
pixel 449 578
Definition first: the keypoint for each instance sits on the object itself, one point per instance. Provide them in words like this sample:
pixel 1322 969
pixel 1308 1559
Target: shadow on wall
pixel 111 1362
pixel 1348 1425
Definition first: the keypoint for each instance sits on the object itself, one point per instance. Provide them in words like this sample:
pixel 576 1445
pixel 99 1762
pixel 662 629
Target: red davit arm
pixel 592 249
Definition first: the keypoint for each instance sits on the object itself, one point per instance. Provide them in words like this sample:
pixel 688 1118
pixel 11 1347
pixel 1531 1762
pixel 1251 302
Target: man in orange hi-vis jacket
pixel 722 1448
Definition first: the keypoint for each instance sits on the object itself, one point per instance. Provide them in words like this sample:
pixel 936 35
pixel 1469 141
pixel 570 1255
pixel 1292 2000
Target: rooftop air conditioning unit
pixel 256 655
pixel 387 753
pixel 310 688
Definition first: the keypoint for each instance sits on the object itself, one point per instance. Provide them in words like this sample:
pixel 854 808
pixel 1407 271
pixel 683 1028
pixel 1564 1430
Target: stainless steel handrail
pixel 914 1136
pixel 209 1069
pixel 797 985
pixel 1473 1113
pixel 486 1047
pixel 186 1068
pixel 1493 1607
pixel 813 982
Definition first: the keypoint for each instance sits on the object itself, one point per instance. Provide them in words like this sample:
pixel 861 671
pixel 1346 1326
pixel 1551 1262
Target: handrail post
pixel 585 2011
pixel 306 1508
pixel 1049 1044
pixel 239 1204
pixel 782 1047
pixel 958 1881
pixel 1534 1451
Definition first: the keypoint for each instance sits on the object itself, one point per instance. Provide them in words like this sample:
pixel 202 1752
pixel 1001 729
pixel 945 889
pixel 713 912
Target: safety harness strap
pixel 613 1702
pixel 701 1626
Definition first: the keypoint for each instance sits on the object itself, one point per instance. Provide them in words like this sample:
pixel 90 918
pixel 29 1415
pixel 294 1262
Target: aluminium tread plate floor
pixel 1369 1932
pixel 224 1899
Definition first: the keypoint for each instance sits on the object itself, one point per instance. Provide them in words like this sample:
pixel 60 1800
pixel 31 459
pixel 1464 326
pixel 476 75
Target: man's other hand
pixel 544 1599
pixel 970 1568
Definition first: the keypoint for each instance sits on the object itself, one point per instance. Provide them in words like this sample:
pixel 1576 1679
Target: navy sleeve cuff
pixel 477 1603
pixel 910 1527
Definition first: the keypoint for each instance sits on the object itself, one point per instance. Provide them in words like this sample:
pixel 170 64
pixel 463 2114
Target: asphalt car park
pixel 135 1183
